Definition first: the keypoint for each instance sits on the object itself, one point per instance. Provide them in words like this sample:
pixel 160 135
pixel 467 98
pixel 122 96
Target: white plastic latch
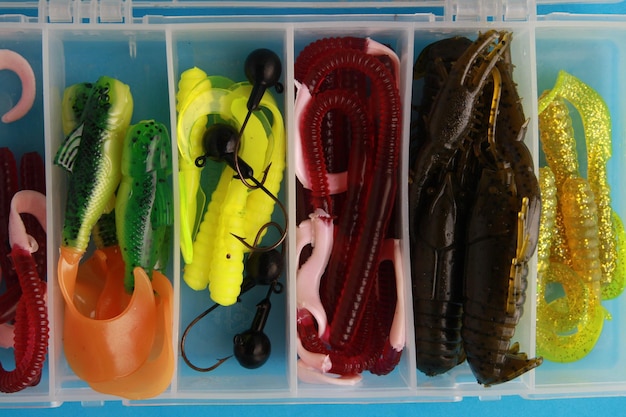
pixel 516 10
pixel 60 11
pixel 487 10
pixel 88 11
pixel 111 11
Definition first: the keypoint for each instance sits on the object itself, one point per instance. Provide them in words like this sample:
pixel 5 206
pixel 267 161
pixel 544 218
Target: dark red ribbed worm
pixel 8 187
pixel 33 177
pixel 350 362
pixel 354 109
pixel 313 149
pixel 31 327
pixel 8 303
pixel 334 126
pixel 315 51
pixel 377 201
pixel 372 352
pixel 388 357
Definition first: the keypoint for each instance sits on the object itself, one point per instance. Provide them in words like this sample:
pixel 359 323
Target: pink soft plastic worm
pixel 31 318
pixel 11 60
pixel 355 311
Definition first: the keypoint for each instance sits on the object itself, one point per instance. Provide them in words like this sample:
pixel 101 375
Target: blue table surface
pixel 511 406
pixel 508 406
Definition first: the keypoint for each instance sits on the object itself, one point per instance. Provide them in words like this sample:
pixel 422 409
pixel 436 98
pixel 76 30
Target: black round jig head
pixel 221 141
pixel 252 347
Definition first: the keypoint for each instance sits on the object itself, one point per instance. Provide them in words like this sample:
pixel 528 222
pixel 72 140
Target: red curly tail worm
pixel 377 201
pixel 356 112
pixel 32 172
pixel 313 150
pixel 31 327
pixel 8 187
pixel 334 126
pixel 389 300
pixel 33 177
pixel 8 303
pixel 316 50
pixel 352 362
pixel 372 352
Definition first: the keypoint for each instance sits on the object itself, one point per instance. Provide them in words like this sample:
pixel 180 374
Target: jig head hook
pixel 252 347
pixel 221 142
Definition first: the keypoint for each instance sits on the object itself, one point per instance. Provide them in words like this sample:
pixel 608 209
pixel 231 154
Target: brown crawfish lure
pixel 437 258
pixel 474 164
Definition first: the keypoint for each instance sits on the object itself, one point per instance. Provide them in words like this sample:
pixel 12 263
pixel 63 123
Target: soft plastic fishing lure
pixel 23 251
pixel 230 218
pixel 580 219
pixel 578 257
pixel 596 120
pixel 15 62
pixel 100 114
pixel 548 217
pixel 618 282
pixel 92 153
pixel 559 146
pixel 143 205
pixel 30 330
pixel 191 195
pixel 347 142
pixel 568 326
pixel 101 318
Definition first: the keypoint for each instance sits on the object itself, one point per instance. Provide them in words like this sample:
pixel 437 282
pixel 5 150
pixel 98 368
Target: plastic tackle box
pixel 148 44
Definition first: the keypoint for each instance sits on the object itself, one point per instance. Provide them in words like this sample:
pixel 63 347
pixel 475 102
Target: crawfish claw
pixel 498 42
pixel 464 84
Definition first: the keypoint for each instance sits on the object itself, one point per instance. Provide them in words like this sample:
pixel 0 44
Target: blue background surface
pixel 507 406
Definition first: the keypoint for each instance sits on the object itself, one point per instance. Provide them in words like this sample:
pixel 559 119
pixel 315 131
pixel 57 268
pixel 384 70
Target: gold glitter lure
pixel 586 255
pixel 559 146
pixel 597 125
pixel 568 327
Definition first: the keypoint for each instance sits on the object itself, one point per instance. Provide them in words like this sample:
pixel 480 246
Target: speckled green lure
pixel 92 153
pixel 144 199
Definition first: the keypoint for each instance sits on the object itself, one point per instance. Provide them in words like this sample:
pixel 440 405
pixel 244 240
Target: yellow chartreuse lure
pixel 585 255
pixel 190 147
pixel 235 211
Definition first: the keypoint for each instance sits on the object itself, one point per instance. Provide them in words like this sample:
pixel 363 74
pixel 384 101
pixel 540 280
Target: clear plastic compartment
pixel 401 381
pixel 23 136
pixel 459 381
pixel 138 59
pixel 222 50
pixel 150 59
pixel 572 47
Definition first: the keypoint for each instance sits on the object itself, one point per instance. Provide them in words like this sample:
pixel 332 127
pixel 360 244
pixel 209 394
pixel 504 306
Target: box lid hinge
pixel 488 10
pixel 87 11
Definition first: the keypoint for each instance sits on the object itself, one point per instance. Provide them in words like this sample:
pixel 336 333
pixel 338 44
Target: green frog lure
pixel 92 154
pixel 143 208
